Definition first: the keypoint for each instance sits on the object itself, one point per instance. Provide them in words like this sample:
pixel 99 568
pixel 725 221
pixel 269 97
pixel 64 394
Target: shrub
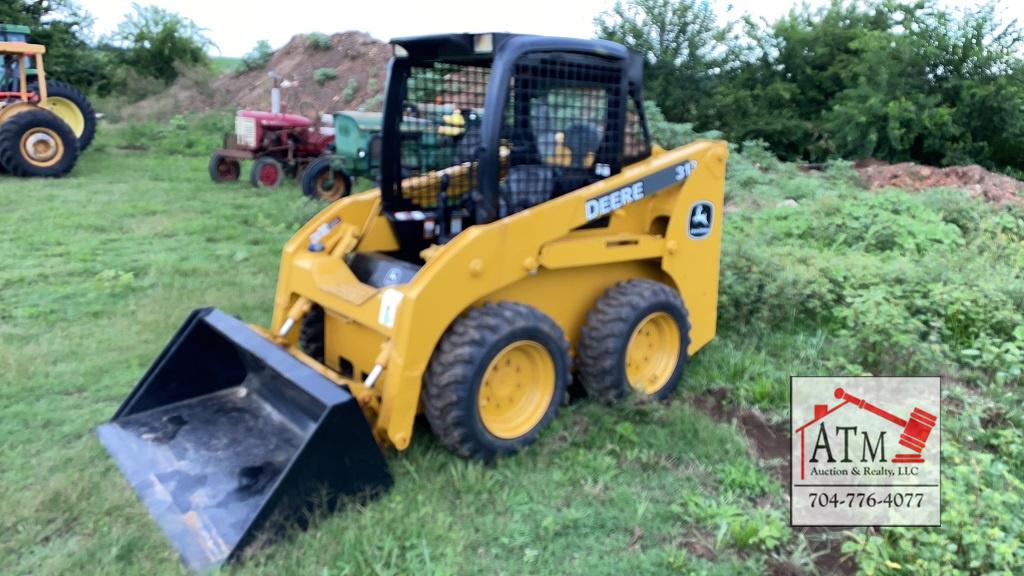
pixel 324 75
pixel 349 93
pixel 981 528
pixel 257 58
pixel 318 41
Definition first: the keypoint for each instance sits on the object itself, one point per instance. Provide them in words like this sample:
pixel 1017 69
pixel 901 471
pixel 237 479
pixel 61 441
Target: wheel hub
pixel 517 389
pixel 268 174
pixel 653 352
pixel 41 146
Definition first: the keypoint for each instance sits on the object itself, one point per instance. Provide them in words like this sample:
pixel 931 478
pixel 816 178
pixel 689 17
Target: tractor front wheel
pixel 224 169
pixel 496 379
pixel 37 143
pixel 267 172
pixel 323 182
pixel 71 106
pixel 634 342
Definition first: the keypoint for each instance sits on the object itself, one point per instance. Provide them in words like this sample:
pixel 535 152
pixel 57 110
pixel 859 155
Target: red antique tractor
pixel 279 143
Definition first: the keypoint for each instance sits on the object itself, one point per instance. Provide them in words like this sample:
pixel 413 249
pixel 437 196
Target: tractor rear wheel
pixel 37 143
pixel 321 181
pixel 71 106
pixel 224 169
pixel 267 172
pixel 496 379
pixel 634 342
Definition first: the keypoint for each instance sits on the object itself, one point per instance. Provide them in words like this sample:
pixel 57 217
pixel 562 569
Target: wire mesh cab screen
pixel 562 127
pixel 439 132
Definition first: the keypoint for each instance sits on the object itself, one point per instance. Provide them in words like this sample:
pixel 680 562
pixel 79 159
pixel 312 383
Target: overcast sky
pixel 236 25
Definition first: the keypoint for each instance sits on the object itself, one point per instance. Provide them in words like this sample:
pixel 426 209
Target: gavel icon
pixel 915 430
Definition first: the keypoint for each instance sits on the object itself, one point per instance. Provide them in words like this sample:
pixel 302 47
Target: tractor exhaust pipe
pixel 275 92
pixel 227 439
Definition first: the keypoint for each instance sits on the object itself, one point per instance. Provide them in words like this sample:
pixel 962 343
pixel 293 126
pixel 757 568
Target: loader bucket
pixel 228 438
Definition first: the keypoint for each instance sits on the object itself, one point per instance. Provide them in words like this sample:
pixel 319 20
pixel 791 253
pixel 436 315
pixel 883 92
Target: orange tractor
pixel 43 125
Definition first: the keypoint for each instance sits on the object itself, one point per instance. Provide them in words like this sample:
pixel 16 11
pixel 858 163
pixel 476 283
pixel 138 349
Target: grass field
pixel 100 268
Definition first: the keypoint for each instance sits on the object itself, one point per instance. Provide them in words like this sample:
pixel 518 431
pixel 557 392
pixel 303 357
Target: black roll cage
pixel 508 49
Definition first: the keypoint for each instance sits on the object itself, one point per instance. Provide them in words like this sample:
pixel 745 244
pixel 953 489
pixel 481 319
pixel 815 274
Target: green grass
pixel 222 64
pixel 99 270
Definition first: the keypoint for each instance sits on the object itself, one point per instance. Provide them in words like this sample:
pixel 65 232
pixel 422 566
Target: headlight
pixel 361 153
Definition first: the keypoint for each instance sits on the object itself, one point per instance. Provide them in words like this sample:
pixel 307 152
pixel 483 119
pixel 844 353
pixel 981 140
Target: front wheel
pixel 321 181
pixel 634 341
pixel 496 379
pixel 37 143
pixel 224 169
pixel 267 172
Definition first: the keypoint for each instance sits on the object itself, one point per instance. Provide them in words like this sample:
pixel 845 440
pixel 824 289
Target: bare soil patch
pixel 977 181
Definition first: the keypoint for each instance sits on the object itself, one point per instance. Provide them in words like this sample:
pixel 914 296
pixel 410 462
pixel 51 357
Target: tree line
pixel 852 79
pixel 148 50
pixel 888 79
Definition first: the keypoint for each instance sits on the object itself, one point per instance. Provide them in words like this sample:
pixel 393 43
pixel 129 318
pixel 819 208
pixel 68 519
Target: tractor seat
pixel 524 186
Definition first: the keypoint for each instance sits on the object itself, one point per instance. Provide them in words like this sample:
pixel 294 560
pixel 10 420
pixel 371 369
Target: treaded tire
pixel 56 88
pixel 224 169
pixel 312 185
pixel 14 160
pixel 259 165
pixel 455 374
pixel 311 335
pixel 601 353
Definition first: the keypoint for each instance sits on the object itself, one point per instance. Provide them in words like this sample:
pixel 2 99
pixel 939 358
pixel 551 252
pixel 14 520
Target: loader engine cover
pixel 228 438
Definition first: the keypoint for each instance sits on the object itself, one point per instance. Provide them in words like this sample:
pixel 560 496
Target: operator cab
pixel 481 126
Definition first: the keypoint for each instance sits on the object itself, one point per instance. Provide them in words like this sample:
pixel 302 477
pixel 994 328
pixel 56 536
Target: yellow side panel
pixel 567 295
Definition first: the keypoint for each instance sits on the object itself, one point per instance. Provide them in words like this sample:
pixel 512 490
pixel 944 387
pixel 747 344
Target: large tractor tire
pixel 71 106
pixel 320 181
pixel 496 379
pixel 267 172
pixel 37 143
pixel 634 342
pixel 223 169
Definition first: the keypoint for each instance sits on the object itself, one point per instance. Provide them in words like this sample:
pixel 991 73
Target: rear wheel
pixel 224 169
pixel 496 380
pixel 266 172
pixel 71 106
pixel 37 143
pixel 634 342
pixel 321 181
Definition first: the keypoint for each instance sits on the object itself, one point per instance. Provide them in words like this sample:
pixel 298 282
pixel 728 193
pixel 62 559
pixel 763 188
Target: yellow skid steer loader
pixel 546 236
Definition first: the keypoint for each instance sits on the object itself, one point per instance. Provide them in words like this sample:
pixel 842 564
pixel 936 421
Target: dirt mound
pixel 358 60
pixel 979 182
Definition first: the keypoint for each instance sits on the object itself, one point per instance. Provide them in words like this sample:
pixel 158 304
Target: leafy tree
pixel 63 27
pixel 682 46
pixel 156 42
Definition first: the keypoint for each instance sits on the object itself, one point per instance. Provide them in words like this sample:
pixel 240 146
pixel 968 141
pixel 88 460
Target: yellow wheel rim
pixel 652 352
pixel 330 187
pixel 67 111
pixel 41 147
pixel 517 389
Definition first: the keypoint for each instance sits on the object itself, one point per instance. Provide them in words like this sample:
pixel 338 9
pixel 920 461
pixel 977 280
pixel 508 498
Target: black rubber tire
pixel 74 95
pixel 224 169
pixel 311 334
pixel 311 181
pixel 257 166
pixel 453 379
pixel 12 157
pixel 601 353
